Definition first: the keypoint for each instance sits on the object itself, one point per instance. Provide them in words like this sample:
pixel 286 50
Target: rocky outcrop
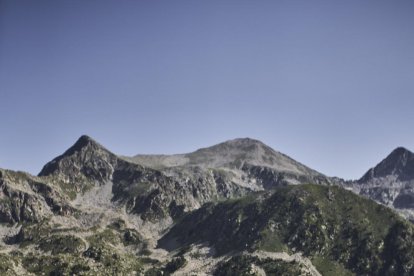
pixel 18 206
pixel 155 194
pixel 23 198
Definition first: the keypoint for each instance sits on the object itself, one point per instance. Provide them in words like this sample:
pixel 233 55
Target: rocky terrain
pixel 336 231
pixel 236 208
pixel 391 182
pixel 247 162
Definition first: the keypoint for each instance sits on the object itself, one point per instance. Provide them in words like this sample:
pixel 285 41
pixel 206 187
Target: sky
pixel 329 83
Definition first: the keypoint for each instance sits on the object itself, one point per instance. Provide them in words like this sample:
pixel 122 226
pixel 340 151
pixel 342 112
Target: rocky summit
pixel 391 182
pixel 236 208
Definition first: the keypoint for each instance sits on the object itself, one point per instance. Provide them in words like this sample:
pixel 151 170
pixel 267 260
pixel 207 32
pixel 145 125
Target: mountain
pixel 237 207
pixel 391 182
pixel 333 230
pixel 87 169
pixel 164 187
pixel 247 161
pixel 399 163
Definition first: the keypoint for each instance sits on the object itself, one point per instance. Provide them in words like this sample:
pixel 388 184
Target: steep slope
pixel 245 161
pixel 337 230
pixel 391 182
pixel 25 198
pixel 42 233
pixel 87 169
pixel 81 167
pixel 400 163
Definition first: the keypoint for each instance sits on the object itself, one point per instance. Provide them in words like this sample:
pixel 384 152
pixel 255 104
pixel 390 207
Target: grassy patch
pixel 330 268
pixel 6 265
pixel 61 244
pixel 55 265
pixel 245 265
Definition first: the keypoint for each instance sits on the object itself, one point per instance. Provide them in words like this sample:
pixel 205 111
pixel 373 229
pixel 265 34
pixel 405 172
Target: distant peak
pixel 400 151
pixel 243 141
pixel 85 138
pixel 83 141
pixel 399 162
pixel 397 155
pixel 246 140
pixel 244 144
pixel 83 144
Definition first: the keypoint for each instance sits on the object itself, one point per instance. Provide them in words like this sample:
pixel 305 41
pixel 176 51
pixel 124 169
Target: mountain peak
pixel 400 162
pixel 244 144
pixel 76 153
pixel 397 158
pixel 244 140
pixel 85 138
pixel 82 142
pixel 244 148
pixel 399 152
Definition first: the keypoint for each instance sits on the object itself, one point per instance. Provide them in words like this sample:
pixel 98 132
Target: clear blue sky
pixel 330 83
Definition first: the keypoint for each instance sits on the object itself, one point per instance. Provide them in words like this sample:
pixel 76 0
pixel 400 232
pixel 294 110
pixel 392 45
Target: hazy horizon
pixel 328 83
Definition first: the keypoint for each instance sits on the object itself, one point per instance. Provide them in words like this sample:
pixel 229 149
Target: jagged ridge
pixel 88 201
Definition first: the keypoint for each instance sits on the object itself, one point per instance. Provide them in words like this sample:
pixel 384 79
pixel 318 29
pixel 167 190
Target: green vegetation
pixel 57 244
pixel 6 265
pixel 330 268
pixel 72 190
pixel 127 236
pixel 245 266
pixel 101 250
pixel 338 229
pixel 106 236
pixel 154 271
pixel 168 269
pixel 31 233
pixel 74 264
pixel 57 252
pixel 55 265
pixel 270 241
pixel 175 264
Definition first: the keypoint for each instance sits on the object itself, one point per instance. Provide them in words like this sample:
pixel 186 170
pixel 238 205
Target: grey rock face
pixel 400 163
pixel 249 162
pixel 149 192
pixel 85 161
pixel 391 182
pixel 27 199
pixel 154 194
